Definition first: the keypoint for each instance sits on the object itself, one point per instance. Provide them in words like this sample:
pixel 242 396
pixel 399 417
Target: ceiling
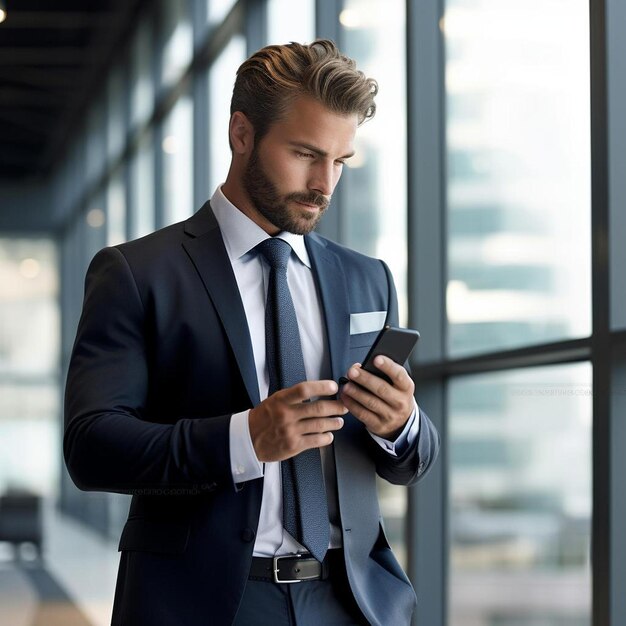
pixel 52 57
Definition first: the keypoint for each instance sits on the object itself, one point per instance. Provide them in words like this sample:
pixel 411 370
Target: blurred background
pixel 492 181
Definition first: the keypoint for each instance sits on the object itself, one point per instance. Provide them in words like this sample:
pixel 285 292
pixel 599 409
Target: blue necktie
pixel 305 510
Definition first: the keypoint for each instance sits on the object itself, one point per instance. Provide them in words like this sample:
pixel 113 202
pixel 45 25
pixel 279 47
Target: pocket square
pixel 367 322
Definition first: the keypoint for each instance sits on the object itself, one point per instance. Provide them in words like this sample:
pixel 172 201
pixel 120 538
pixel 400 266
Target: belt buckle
pixel 277 569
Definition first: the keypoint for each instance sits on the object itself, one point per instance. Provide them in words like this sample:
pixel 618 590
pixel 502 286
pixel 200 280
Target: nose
pixel 323 178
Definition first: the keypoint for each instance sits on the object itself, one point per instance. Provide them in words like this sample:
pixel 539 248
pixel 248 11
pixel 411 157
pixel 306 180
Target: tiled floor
pixel 73 586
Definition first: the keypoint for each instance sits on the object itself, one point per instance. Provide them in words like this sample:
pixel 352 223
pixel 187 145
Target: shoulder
pixel 155 245
pixel 164 247
pixel 149 259
pixel 159 249
pixel 349 259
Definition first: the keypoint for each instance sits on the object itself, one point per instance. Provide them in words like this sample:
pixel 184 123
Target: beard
pixel 274 207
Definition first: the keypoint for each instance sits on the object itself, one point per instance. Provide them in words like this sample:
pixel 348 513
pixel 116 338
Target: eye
pixel 305 155
pixel 340 162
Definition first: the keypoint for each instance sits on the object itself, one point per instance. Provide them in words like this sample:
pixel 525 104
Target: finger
pixel 313 425
pixel 319 440
pixel 369 400
pixel 371 420
pixel 319 408
pixel 309 389
pixel 396 372
pixel 371 382
pixel 400 379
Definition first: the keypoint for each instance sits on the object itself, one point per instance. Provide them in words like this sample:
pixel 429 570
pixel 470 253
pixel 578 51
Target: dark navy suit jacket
pixel 161 361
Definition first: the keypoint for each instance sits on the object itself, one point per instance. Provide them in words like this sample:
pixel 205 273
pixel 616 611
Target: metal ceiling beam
pixel 32 99
pixel 57 20
pixel 16 156
pixel 39 77
pixel 45 55
pixel 30 121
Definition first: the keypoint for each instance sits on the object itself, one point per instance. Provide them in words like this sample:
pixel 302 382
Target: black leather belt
pixel 294 568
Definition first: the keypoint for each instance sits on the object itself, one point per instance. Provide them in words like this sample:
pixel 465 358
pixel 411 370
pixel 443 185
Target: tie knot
pixel 276 252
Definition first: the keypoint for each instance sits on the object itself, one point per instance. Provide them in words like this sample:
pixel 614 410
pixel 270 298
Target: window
pixel 29 353
pixel 116 130
pixel 116 210
pixel 374 182
pixel 142 189
pixel 217 10
pixel 177 41
pixel 221 81
pixel 520 497
pixel 290 21
pixel 177 162
pixel 95 143
pixel 518 156
pixel 142 87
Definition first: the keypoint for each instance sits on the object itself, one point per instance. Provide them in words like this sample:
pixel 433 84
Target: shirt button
pixel 240 469
pixel 247 534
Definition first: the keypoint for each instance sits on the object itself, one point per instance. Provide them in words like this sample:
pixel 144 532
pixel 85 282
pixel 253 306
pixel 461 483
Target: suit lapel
pixel 331 281
pixel 206 248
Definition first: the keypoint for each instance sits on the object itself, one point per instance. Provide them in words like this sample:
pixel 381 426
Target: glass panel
pixel 374 183
pixel 290 21
pixel 116 210
pixel 29 432
pixel 142 173
pixel 217 10
pixel 177 40
pixel 29 313
pixel 221 81
pixel 142 86
pixel 29 365
pixel 95 143
pixel 177 162
pixel 520 497
pixel 116 126
pixel 518 173
pixel 94 236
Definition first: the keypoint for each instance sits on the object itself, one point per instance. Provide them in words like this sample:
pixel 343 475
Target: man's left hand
pixel 384 408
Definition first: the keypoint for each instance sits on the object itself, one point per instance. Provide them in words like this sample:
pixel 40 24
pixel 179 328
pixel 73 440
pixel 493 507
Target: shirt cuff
pixel 244 464
pixel 405 439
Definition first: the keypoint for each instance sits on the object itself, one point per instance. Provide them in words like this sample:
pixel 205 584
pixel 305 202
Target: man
pixel 179 386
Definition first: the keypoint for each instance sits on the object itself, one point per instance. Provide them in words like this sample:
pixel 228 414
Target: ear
pixel 241 133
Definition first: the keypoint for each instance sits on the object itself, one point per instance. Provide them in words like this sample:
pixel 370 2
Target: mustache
pixel 316 199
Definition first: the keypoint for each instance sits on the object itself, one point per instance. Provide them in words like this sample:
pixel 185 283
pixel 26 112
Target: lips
pixel 310 207
pixel 310 201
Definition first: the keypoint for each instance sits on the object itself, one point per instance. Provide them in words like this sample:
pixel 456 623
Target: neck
pixel 237 196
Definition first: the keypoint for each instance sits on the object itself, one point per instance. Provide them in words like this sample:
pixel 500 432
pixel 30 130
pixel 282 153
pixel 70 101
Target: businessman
pixel 203 381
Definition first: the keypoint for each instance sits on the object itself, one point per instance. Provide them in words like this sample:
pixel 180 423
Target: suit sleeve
pixel 109 442
pixel 416 460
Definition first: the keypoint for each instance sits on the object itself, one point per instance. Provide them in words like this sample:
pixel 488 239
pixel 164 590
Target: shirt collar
pixel 241 234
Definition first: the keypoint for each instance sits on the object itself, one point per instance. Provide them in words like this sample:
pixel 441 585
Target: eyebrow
pixel 318 151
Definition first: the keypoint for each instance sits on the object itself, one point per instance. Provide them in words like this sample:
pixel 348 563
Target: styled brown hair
pixel 269 81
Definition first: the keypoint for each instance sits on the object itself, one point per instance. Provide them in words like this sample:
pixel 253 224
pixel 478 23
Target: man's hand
pixel 285 424
pixel 383 408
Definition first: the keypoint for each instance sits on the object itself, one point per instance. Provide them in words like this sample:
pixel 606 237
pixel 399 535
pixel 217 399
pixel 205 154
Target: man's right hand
pixel 285 424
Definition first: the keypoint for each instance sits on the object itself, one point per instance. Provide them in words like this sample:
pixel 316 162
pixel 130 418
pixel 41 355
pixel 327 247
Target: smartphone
pixel 394 343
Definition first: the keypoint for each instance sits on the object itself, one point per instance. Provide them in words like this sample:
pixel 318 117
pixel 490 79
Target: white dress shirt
pixel 241 235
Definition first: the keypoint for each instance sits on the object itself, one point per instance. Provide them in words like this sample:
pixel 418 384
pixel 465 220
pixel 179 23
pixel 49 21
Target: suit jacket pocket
pixel 363 340
pixel 150 535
